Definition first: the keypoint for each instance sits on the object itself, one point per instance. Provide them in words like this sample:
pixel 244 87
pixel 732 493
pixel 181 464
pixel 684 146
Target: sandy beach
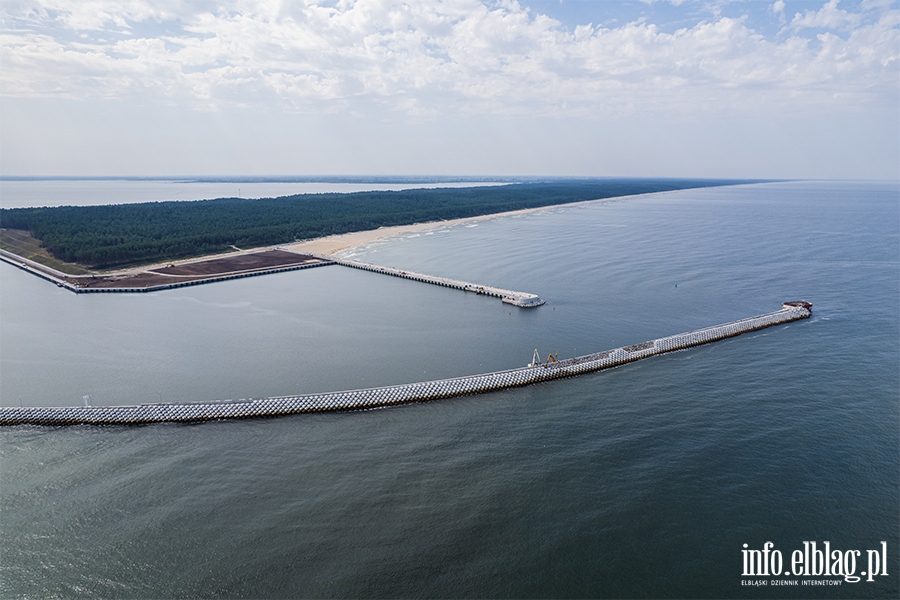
pixel 324 246
pixel 330 245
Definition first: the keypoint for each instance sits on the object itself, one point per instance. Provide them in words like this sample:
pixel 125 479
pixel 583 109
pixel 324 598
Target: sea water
pixel 642 481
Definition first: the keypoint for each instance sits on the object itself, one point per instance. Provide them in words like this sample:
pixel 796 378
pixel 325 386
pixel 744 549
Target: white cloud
pixel 778 8
pixel 90 14
pixel 427 57
pixel 827 17
pixel 672 2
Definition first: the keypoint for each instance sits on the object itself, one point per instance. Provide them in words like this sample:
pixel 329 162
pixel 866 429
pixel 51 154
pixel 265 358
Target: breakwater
pixel 54 276
pixel 72 282
pixel 398 394
pixel 521 299
pixel 179 284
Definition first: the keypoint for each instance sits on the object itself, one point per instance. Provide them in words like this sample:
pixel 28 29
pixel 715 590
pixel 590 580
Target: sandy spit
pixel 333 244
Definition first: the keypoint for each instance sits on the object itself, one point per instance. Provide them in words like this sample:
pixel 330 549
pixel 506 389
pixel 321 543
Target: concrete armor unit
pixel 535 372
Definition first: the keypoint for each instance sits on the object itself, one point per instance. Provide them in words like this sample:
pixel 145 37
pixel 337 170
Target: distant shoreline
pixel 308 253
pixel 317 250
pixel 119 236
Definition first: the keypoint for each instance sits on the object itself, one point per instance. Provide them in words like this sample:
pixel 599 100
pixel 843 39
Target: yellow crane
pixel 536 359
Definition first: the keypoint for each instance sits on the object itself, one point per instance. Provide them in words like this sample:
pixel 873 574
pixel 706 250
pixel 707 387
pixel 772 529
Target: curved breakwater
pixel 398 394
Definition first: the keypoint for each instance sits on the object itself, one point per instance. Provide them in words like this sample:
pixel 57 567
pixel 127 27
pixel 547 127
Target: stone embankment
pixel 398 394
pixel 81 284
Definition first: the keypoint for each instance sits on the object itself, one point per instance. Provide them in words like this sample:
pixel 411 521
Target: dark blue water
pixel 643 481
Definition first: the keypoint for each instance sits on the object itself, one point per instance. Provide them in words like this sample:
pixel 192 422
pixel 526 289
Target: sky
pixel 645 88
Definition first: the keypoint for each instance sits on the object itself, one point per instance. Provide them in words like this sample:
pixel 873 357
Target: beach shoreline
pixel 323 248
pixel 335 244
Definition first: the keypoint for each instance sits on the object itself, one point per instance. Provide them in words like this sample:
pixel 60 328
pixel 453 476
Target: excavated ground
pixel 207 269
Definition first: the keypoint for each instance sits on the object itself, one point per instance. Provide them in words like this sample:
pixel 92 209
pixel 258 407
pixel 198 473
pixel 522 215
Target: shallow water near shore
pixel 643 481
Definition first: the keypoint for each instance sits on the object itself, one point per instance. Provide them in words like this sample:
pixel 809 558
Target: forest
pixel 123 234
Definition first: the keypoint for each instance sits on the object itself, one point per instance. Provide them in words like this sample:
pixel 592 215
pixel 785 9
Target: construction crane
pixel 536 359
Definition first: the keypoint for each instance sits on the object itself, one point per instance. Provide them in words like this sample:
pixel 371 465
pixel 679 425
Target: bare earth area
pixel 236 262
pixel 232 264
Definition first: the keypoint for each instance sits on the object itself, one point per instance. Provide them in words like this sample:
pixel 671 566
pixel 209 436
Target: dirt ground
pixel 238 262
pixel 214 267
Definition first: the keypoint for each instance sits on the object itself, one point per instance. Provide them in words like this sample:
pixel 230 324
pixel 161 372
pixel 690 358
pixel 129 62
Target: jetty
pixel 238 266
pixel 520 299
pixel 398 394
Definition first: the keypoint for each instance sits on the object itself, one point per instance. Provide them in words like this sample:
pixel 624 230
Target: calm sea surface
pixel 642 481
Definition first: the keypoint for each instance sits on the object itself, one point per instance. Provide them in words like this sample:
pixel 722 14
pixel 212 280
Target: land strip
pixel 20 245
pixel 110 236
pixel 344 242
pixel 221 266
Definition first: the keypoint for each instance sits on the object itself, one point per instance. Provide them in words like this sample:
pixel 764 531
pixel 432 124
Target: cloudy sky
pixel 713 88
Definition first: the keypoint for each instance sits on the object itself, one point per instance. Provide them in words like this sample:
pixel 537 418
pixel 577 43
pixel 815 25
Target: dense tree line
pixel 104 236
